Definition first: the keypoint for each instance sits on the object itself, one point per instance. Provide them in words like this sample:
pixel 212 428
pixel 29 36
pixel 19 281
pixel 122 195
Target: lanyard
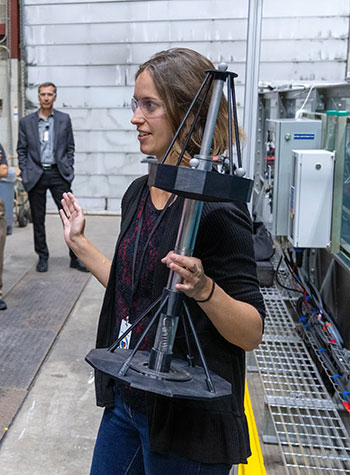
pixel 136 273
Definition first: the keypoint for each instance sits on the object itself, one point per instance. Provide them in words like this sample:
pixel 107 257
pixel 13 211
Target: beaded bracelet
pixel 209 296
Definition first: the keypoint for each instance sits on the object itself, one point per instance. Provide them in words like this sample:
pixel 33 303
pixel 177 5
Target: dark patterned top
pixel 131 302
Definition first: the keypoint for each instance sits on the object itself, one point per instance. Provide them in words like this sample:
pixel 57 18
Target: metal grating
pixel 277 314
pixel 336 351
pixel 38 306
pixel 300 415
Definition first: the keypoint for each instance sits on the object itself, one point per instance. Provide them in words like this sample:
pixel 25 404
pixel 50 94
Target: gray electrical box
pixel 283 136
pixel 311 194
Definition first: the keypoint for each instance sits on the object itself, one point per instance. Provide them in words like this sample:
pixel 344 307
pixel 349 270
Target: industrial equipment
pixel 311 193
pixel 283 136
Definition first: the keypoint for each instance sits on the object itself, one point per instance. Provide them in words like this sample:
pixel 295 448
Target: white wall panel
pixel 288 72
pixel 86 97
pixel 112 163
pixel 138 32
pixel 124 54
pixel 304 50
pixel 97 75
pixel 95 141
pixel 315 27
pixel 96 12
pixel 305 8
pixel 102 186
pixel 185 30
pixel 100 119
pixel 83 75
pixel 92 49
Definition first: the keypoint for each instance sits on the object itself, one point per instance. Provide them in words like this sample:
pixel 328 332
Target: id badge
pixel 124 326
pixel 46 136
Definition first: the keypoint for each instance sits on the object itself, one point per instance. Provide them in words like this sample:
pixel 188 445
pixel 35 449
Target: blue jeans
pixel 122 448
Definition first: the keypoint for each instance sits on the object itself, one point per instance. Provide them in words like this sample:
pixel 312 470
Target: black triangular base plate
pixel 191 387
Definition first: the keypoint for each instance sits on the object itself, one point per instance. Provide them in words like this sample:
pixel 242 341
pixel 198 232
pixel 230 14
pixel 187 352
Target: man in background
pixel 3 230
pixel 46 158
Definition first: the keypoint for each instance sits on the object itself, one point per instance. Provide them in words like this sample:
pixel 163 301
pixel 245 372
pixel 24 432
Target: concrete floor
pixel 55 429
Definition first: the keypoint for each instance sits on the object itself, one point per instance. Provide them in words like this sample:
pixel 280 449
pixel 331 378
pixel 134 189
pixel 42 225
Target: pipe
pixel 251 82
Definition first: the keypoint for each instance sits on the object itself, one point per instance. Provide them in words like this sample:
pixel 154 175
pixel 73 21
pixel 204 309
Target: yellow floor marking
pixel 255 464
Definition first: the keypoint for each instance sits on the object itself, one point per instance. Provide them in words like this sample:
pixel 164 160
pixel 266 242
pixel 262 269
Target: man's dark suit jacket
pixel 28 148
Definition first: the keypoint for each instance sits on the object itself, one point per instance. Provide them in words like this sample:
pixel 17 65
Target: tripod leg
pixel 194 123
pixel 127 362
pixel 235 121
pixel 206 79
pixel 188 344
pixel 115 344
pixel 201 354
pixel 229 101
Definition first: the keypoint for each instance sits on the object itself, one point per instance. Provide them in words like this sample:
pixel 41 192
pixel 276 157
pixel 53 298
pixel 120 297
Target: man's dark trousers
pixel 51 180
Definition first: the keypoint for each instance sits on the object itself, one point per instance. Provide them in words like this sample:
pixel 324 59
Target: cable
pixel 300 111
pixel 293 270
pixel 323 335
pixel 280 283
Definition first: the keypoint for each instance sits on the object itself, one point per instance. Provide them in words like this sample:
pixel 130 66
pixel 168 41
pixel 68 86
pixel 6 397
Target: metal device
pixel 157 371
pixel 311 193
pixel 283 136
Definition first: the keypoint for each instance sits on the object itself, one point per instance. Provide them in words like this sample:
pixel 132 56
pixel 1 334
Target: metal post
pixel 251 83
pixel 160 357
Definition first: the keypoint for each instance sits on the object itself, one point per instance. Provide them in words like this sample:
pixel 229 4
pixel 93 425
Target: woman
pixel 143 432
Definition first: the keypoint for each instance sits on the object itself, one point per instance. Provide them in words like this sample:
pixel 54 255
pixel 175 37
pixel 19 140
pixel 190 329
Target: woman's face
pixel 150 117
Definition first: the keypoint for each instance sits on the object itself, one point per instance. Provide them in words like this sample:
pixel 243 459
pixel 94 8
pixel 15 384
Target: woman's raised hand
pixel 73 220
pixel 72 217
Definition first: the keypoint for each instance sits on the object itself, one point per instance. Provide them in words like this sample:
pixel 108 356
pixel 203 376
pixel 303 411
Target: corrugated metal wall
pixel 305 40
pixel 91 50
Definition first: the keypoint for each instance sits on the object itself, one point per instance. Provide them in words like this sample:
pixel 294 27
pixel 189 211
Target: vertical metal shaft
pixel 160 358
pixel 192 209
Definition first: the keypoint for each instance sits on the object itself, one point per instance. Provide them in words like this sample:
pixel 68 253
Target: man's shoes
pixel 42 265
pixel 77 264
pixel 3 305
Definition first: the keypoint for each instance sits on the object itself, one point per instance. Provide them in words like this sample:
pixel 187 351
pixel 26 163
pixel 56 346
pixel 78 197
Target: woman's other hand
pixel 238 322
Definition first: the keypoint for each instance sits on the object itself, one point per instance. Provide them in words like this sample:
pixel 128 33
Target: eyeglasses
pixel 149 107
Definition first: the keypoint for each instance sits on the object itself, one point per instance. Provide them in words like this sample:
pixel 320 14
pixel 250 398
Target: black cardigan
pixel 208 431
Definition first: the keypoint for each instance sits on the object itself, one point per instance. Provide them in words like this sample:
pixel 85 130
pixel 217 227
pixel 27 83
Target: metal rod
pixel 211 118
pixel 235 123
pixel 127 362
pixel 185 118
pixel 194 123
pixel 191 214
pixel 189 355
pixel 230 151
pixel 201 354
pixel 115 344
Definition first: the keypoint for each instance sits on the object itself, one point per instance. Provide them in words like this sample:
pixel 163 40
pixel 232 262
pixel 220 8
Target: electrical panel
pixel 283 136
pixel 311 194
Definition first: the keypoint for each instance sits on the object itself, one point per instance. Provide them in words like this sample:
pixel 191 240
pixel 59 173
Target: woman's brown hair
pixel 178 74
